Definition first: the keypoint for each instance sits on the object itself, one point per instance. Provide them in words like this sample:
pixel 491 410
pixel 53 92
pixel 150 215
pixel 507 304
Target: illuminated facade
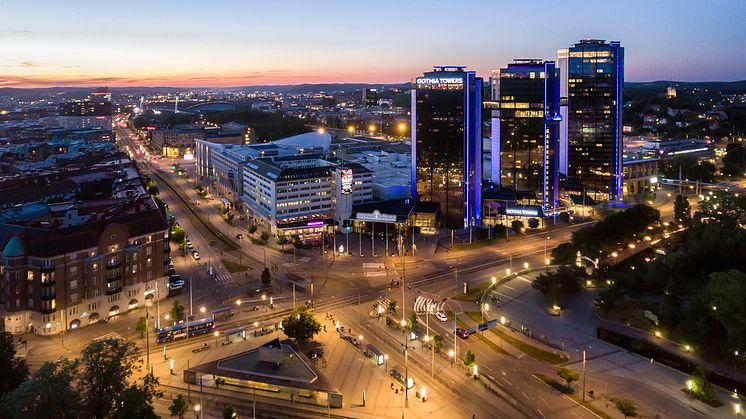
pixel 592 77
pixel 525 130
pixel 447 144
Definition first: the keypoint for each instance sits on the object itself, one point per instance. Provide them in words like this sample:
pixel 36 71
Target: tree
pixel 564 254
pixel 533 223
pixel 179 407
pixel 266 277
pixel 177 235
pixel 282 240
pixel 568 375
pixel 734 162
pixel 564 217
pixel 142 326
pixel 137 400
pixel 557 285
pixel 702 388
pixel 626 407
pixel 264 236
pixel 469 358
pixel 177 311
pixel 302 324
pixel 106 366
pixel 51 393
pixel 391 308
pixel 438 342
pixel 517 226
pixel 229 412
pixel 252 229
pixel 682 211
pixel 727 292
pixel 12 370
pixel 412 321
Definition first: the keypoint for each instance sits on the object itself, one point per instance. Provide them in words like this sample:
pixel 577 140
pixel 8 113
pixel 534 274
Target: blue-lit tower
pixel 447 144
pixel 592 80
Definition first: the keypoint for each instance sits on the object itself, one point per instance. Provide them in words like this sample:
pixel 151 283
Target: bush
pixel 564 217
pixel 517 226
pixel 533 223
pixel 252 229
pixel 264 236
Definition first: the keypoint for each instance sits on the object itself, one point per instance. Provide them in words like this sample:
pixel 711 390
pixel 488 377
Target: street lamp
pixel 525 265
pixel 202 309
pixel 217 333
pixel 350 129
pixel 475 371
pixel 494 280
pixel 424 394
pixel 485 307
pixel 198 410
pixel 385 362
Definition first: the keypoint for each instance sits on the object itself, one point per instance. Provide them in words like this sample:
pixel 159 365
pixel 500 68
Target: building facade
pixel 447 144
pixel 592 80
pixel 94 112
pixel 525 130
pixel 301 195
pixel 57 279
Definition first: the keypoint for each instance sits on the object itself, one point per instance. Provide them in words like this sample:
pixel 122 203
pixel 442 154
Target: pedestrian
pixel 324 328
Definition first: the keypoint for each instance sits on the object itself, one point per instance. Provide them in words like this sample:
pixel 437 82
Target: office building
pixel 525 131
pixel 592 78
pixel 447 144
pixel 94 112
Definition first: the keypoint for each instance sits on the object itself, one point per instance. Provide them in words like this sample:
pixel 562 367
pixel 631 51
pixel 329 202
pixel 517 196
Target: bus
pixel 180 331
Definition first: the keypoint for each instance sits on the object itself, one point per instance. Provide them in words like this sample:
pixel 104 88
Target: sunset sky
pixel 237 43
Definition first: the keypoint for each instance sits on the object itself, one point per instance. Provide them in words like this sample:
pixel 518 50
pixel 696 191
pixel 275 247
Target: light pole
pixel 147 335
pixel 485 307
pixel 545 247
pixel 217 333
pixel 406 361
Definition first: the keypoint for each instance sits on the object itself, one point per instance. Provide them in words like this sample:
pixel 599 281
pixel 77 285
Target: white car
pixel 195 255
pixel 441 316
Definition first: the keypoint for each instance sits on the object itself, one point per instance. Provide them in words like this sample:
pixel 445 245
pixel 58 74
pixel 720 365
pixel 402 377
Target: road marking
pixel 110 335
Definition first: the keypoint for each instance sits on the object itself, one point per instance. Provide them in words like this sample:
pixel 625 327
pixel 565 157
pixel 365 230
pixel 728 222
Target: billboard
pixel 346 181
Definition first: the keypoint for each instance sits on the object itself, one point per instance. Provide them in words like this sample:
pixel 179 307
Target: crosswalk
pixel 427 305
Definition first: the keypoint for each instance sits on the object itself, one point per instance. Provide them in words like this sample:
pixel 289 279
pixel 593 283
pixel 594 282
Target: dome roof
pixel 14 248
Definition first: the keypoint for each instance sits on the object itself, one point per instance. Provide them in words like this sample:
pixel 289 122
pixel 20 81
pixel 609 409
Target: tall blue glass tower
pixel 592 77
pixel 447 144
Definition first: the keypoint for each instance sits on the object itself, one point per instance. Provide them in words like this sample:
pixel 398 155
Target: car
pixel 396 375
pixel 241 217
pixel 463 334
pixel 197 203
pixel 441 316
pixel 195 255
pixel 189 245
pixel 239 236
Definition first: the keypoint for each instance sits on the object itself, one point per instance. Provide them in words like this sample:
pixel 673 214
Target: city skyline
pixel 231 44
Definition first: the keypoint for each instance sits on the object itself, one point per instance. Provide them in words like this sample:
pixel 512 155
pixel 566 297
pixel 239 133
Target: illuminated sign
pixel 346 180
pixel 375 216
pixel 315 223
pixel 523 211
pixel 439 80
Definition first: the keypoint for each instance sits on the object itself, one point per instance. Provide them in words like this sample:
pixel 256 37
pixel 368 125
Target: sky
pixel 242 42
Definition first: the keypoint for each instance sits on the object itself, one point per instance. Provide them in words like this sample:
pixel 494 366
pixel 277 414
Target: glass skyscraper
pixel 447 144
pixel 592 78
pixel 525 131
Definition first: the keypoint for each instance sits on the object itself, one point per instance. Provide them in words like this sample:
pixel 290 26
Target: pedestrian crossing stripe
pixel 110 335
pixel 427 305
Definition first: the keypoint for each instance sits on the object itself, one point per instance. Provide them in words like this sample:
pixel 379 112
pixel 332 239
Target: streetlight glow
pixel 202 309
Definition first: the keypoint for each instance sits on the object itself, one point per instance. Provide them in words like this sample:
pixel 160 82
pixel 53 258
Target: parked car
pixel 239 236
pixel 195 254
pixel 441 316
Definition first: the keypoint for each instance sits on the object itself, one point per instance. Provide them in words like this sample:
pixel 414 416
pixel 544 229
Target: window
pixel 73 284
pixel 134 269
pixel 149 263
pixel 73 271
pixel 149 250
pixel 94 268
pixel 30 303
pixel 30 275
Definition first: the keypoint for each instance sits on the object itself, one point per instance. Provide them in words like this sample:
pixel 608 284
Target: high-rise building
pixel 592 79
pixel 525 132
pixel 447 144
pixel 94 112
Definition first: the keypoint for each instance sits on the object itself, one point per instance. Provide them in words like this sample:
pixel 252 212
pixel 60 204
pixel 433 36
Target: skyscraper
pixel 447 144
pixel 525 130
pixel 592 79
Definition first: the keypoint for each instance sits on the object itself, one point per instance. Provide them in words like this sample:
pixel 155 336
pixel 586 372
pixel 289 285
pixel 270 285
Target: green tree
pixel 152 188
pixel 302 324
pixel 568 375
pixel 517 226
pixel 106 366
pixel 626 407
pixel 563 217
pixel 469 358
pixel 702 388
pixel 177 311
pixel 727 292
pixel 734 162
pixel 282 240
pixel 177 235
pixel 264 236
pixel 179 407
pixel 142 326
pixel 137 399
pixel 266 277
pixel 252 229
pixel 412 321
pixel 438 342
pixel 564 254
pixel 533 223
pixel 559 284
pixel 13 370
pixel 229 412
pixel 391 308
pixel 682 211
pixel 51 393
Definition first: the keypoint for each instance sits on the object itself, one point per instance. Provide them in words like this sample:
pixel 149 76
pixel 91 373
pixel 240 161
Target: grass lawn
pixel 569 393
pixel 475 292
pixel 532 351
pixel 495 347
pixel 233 266
pixel 632 312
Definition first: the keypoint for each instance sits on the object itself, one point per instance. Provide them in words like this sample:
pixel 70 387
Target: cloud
pixel 28 64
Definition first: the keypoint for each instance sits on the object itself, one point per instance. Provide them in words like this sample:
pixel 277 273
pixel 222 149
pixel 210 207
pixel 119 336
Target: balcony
pixel 114 265
pixel 47 269
pixel 114 278
pixel 113 287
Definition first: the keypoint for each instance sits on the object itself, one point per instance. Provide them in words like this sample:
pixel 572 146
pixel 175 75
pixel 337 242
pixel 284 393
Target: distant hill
pixel 723 87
